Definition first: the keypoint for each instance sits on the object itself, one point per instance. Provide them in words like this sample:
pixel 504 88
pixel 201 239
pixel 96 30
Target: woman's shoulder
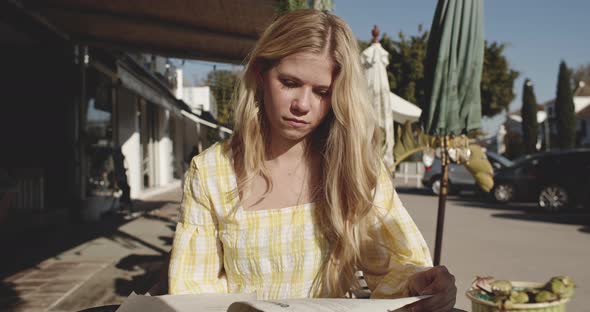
pixel 212 158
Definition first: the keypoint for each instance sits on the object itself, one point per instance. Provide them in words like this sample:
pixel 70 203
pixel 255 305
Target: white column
pixel 179 84
pixel 131 150
pixel 164 148
pixel 129 138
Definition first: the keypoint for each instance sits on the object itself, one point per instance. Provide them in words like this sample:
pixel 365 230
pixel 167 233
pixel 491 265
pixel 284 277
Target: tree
pixel 530 126
pixel 406 71
pixel 564 109
pixel 582 73
pixel 363 44
pixel 286 6
pixel 497 80
pixel 514 145
pixel 222 83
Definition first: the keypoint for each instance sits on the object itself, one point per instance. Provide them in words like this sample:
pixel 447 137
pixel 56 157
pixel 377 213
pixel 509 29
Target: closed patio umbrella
pixel 454 62
pixel 375 60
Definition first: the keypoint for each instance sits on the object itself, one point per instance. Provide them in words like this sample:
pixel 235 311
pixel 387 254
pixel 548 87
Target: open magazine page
pixel 181 303
pixel 323 305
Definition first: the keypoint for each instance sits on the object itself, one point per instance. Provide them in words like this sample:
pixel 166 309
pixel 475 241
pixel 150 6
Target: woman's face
pixel 297 94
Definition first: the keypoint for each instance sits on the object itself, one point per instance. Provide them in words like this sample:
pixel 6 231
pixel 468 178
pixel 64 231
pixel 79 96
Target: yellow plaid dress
pixel 275 253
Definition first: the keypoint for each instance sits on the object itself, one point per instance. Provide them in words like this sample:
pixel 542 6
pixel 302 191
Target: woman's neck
pixel 281 151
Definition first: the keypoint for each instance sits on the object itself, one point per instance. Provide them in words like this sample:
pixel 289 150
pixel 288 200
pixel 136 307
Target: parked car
pixel 460 178
pixel 555 180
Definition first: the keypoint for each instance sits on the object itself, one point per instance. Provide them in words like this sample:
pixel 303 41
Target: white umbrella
pixel 403 110
pixel 375 59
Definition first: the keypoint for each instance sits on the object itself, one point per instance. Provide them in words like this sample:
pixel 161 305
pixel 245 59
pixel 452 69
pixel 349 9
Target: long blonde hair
pixel 347 139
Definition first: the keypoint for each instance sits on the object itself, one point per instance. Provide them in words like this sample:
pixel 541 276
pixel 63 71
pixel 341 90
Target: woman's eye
pixel 322 93
pixel 289 84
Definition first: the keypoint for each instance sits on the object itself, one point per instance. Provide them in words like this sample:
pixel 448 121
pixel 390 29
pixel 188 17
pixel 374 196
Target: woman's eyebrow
pixel 290 77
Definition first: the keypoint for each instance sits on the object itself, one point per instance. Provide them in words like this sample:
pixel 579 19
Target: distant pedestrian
pixel 120 176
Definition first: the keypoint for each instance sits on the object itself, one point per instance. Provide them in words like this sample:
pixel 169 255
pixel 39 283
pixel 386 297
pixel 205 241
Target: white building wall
pixel 200 98
pixel 129 138
pixel 164 148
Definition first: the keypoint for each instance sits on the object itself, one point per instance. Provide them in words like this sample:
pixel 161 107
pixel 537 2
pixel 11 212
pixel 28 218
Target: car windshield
pixel 501 159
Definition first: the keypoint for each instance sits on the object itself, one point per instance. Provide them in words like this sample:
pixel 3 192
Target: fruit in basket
pixel 519 297
pixel 501 288
pixel 562 286
pixel 505 295
pixel 545 296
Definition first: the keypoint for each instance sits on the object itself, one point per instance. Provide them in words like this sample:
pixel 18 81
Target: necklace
pixel 301 188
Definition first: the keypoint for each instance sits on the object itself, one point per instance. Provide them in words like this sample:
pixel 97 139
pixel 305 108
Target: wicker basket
pixel 478 305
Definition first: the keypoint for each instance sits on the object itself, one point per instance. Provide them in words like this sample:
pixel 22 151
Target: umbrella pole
pixel 442 200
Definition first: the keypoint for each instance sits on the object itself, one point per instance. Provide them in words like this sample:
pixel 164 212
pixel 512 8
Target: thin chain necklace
pixel 301 188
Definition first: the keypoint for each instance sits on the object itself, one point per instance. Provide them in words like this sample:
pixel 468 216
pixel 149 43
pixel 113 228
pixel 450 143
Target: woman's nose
pixel 302 102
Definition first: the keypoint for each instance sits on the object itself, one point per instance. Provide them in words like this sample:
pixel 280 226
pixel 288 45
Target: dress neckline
pixel 240 209
pixel 287 209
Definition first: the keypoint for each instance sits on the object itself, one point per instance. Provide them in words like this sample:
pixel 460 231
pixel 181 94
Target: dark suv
pixel 555 180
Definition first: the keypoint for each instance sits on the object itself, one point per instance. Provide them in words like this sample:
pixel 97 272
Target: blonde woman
pixel 298 199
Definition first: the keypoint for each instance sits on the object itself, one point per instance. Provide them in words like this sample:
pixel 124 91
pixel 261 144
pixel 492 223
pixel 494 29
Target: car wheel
pixel 503 193
pixel 437 184
pixel 553 198
pixel 435 187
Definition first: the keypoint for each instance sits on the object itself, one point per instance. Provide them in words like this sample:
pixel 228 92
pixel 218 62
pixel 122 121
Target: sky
pixel 539 34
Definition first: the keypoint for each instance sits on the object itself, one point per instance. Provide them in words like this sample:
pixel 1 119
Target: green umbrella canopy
pixel 454 61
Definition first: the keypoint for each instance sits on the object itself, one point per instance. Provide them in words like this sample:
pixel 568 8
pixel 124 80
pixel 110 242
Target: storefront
pixel 79 119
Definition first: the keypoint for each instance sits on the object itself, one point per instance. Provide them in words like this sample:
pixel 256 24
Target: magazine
pixel 248 303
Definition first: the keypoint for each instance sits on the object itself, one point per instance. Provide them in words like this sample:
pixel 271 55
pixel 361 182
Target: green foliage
pixel 530 126
pixel 514 145
pixel 322 4
pixel 497 80
pixel 408 143
pixel 564 109
pixel 286 6
pixel 406 65
pixel 211 135
pixel 406 71
pixel 363 44
pixel 222 83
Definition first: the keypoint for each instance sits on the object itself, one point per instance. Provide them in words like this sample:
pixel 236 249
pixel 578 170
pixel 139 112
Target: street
pixel 514 242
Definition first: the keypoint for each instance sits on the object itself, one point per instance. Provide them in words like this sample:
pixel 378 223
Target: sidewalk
pixel 74 267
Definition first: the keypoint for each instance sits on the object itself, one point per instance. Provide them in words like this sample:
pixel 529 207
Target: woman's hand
pixel 437 282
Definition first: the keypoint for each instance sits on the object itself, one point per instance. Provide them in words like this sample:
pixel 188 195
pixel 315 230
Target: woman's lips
pixel 296 123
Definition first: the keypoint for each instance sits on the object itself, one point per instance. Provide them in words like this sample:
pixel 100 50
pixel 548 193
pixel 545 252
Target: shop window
pixel 99 145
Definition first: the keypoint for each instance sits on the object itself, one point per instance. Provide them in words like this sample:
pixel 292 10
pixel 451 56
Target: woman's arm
pixel 399 248
pixel 196 259
pixel 410 265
